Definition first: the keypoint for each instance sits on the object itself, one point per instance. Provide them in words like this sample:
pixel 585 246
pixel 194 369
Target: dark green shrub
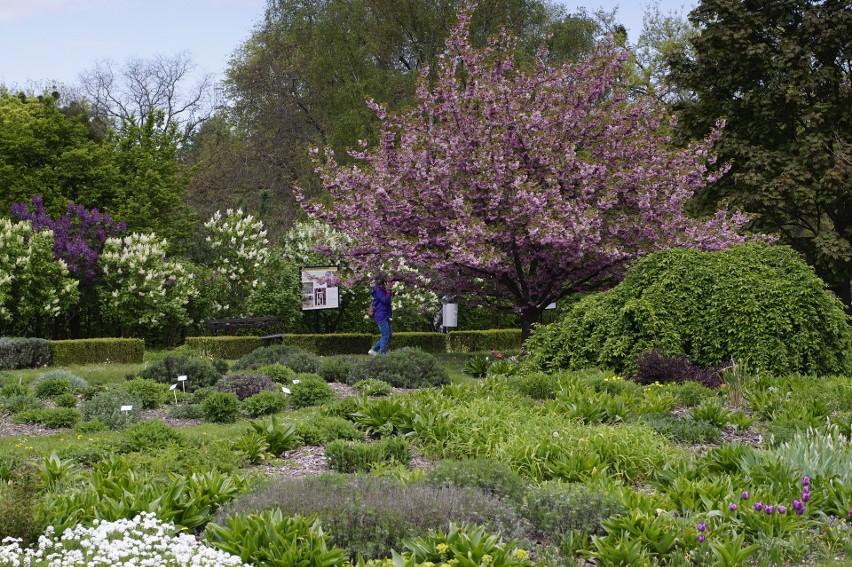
pixel 332 344
pixel 690 394
pixel 230 348
pixel 187 411
pixel 342 407
pixel 153 394
pixel 277 372
pixel 303 362
pixel 555 508
pixel 199 373
pixel 265 403
pixel 538 386
pixel 148 436
pixel 488 340
pixel 19 352
pixel 52 418
pixel 372 387
pixel 311 390
pixel 427 342
pixel 682 430
pixel 55 382
pixel 13 389
pixel 369 515
pixel 106 407
pixel 201 394
pixel 336 368
pixel 759 305
pixel 246 385
pixel 405 368
pixel 65 401
pixel 17 404
pixel 275 354
pixel 324 429
pixel 348 457
pixel 491 477
pixel 97 351
pixel 220 407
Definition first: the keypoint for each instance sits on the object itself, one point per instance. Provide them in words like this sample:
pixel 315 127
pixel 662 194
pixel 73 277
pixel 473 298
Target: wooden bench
pixel 217 325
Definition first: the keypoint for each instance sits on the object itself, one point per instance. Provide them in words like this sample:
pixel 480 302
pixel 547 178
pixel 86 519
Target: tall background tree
pixel 519 185
pixel 780 73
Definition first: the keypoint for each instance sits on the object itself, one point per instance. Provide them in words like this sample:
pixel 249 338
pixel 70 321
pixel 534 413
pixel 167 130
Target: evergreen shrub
pixel 311 390
pixel 246 384
pixel 335 368
pixel 487 340
pixel 97 351
pixel 221 407
pixel 759 305
pixel 56 380
pixel 152 393
pixel 199 373
pixel 106 407
pixel 20 352
pixel 265 403
pixel 287 355
pixel 324 429
pixel 405 368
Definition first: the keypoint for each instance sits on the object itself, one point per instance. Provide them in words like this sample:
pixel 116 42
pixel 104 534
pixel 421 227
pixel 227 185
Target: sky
pixel 52 41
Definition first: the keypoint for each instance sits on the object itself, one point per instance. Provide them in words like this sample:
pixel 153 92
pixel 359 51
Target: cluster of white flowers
pixel 142 287
pixel 31 282
pixel 299 242
pixel 241 251
pixel 143 541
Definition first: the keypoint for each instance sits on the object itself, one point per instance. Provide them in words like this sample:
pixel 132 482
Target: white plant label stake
pixel 126 410
pixel 174 391
pixel 182 380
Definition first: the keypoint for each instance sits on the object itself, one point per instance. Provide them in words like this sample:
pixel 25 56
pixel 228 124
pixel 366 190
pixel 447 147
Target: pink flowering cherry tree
pixel 519 185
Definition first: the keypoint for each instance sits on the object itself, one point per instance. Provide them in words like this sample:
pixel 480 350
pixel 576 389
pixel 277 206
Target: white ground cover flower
pixel 142 541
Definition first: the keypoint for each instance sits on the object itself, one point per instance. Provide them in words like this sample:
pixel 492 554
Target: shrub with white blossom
pixel 32 284
pixel 144 540
pixel 141 288
pixel 239 245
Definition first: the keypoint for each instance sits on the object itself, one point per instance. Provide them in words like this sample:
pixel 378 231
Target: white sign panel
pixel 319 288
pixel 451 315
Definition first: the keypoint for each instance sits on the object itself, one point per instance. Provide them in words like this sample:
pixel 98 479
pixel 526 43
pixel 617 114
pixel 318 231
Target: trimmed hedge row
pixel 96 351
pixel 227 348
pixel 340 343
pixel 428 342
pixel 477 341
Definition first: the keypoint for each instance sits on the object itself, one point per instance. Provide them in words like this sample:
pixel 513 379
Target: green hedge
pixel 428 342
pixel 340 343
pixel 478 341
pixel 227 348
pixel 96 351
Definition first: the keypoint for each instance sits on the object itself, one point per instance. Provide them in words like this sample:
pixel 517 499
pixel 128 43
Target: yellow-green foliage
pixel 760 305
pixel 478 341
pixel 97 351
pixel 227 348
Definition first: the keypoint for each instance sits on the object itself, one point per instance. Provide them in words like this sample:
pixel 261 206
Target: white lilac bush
pixel 32 283
pixel 142 288
pixel 240 249
pixel 144 540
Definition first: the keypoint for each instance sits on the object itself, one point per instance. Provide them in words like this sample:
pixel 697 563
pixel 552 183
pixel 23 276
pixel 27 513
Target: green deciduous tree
pixel 780 72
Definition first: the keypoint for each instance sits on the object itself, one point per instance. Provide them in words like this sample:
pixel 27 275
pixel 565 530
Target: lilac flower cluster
pixel 79 236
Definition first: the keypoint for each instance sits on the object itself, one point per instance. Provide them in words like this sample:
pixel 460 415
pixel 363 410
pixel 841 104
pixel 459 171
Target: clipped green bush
pixel 220 407
pixel 331 344
pixel 292 357
pixel 335 368
pixel 405 368
pixel 106 408
pixel 199 373
pixel 148 436
pixel 480 341
pixel 97 351
pixel 228 348
pixel 265 403
pixel 152 393
pixel 309 390
pixel 65 401
pixel 20 352
pixel 759 305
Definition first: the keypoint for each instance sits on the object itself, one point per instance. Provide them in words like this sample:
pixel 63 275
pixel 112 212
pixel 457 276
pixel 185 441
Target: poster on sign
pixel 319 288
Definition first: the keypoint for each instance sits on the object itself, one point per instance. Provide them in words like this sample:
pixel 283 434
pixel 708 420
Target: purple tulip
pixel 806 480
pixel 745 495
pixel 850 512
pixel 732 507
pixel 702 526
pixel 798 506
pixel 758 505
pixel 806 496
pixel 700 538
pixel 769 509
pixel 782 509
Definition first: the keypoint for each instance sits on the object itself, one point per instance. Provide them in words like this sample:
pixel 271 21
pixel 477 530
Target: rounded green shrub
pixel 106 408
pixel 277 372
pixel 199 373
pixel 265 403
pixel 309 390
pixel 335 368
pixel 293 357
pixel 759 305
pixel 324 429
pixel 65 401
pixel 148 436
pixel 246 384
pixel 372 387
pixel 404 368
pixel 153 393
pixel 54 382
pixel 220 407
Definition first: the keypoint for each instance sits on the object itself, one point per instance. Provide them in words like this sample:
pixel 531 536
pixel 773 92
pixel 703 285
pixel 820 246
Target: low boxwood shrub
pixel 97 351
pixel 20 352
pixel 265 403
pixel 335 368
pixel 427 342
pixel 246 384
pixel 349 457
pixel 66 401
pixel 309 390
pixel 153 394
pixel 106 408
pixel 555 508
pixel 405 368
pixel 277 372
pixel 488 340
pixel 341 407
pixel 148 436
pixel 491 477
pixel 760 305
pixel 229 348
pixel 52 418
pixel 369 515
pixel 199 373
pixel 221 407
pixel 324 429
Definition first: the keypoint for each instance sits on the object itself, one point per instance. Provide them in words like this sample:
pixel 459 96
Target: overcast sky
pixel 44 41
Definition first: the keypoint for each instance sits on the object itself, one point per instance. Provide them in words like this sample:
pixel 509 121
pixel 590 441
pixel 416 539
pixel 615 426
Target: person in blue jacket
pixel 382 313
